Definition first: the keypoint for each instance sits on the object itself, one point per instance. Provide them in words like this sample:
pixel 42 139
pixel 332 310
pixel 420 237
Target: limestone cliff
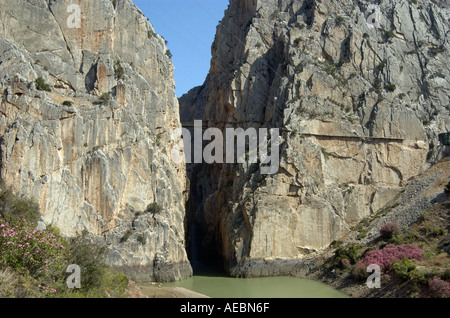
pixel 359 108
pixel 92 146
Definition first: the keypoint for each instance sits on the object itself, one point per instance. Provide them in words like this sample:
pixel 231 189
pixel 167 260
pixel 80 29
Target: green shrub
pixel 42 85
pixel 141 239
pixel 126 236
pixel 381 66
pixel 169 54
pixel 118 70
pixel 336 243
pixel 90 257
pixel 97 279
pixel 13 206
pixel 407 238
pixel 437 231
pixel 377 84
pixel 104 98
pixel 390 87
pixel 67 103
pixel 362 234
pixel 339 20
pixel 325 153
pixel 113 282
pixel 446 274
pixel 352 254
pixel 424 216
pixel 389 34
pixel 408 272
pixel 404 268
pixel 362 224
pixel 299 25
pixel 427 228
pixel 361 227
pixel 153 208
pixel 331 68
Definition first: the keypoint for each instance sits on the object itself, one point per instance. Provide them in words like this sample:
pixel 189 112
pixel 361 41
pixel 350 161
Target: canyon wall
pixel 92 148
pixel 359 109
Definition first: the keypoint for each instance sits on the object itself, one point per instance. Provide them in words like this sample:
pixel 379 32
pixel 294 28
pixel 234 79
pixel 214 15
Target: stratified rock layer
pixel 360 109
pixel 95 166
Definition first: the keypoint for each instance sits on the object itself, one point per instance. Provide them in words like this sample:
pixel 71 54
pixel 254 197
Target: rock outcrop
pixel 90 139
pixel 360 109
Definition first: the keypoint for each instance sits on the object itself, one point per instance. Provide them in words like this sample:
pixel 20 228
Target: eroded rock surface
pixel 359 108
pixel 95 166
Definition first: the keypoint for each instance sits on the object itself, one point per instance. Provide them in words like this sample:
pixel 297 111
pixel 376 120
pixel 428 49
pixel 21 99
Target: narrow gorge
pixel 87 115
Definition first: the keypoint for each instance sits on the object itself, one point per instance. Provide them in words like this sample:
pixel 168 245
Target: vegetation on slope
pixel 415 261
pixel 34 262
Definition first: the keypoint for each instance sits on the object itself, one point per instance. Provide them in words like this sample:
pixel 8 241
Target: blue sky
pixel 189 26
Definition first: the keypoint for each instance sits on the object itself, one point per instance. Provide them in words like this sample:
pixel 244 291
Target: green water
pixel 270 287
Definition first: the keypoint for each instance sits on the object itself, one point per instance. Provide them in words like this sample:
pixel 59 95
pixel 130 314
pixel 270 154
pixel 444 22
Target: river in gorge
pixel 217 285
pixel 267 287
pixel 210 280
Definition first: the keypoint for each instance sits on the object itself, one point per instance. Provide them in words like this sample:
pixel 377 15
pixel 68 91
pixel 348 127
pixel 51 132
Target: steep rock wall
pixel 360 109
pixel 93 166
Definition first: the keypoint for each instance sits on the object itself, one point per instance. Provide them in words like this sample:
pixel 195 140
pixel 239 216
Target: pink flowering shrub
pixel 389 230
pixel 389 253
pixel 24 246
pixel 439 288
pixel 38 259
pixel 40 253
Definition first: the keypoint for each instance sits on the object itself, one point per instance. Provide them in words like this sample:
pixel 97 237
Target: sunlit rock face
pixel 95 166
pixel 360 109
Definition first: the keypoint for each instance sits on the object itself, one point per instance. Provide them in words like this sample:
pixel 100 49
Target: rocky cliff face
pixel 359 108
pixel 96 166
